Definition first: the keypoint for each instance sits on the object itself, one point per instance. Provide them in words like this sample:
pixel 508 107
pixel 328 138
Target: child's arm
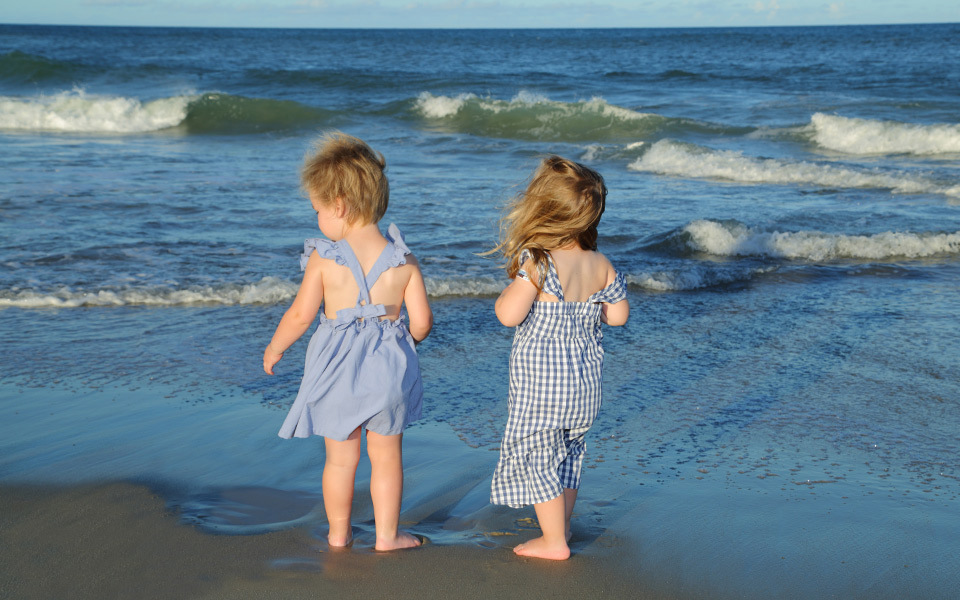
pixel 419 315
pixel 615 314
pixel 618 312
pixel 299 316
pixel 517 299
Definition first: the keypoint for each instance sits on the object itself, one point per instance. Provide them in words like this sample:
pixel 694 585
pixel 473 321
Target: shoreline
pixel 120 540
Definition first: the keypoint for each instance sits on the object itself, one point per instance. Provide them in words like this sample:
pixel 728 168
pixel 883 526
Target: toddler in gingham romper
pixel 556 362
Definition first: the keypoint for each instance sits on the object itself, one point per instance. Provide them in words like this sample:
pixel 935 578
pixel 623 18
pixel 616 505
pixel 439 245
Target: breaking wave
pixel 77 112
pixel 668 157
pixel 735 239
pixel 865 136
pixel 533 117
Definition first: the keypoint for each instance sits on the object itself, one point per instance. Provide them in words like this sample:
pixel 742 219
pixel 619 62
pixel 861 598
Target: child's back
pixel 582 273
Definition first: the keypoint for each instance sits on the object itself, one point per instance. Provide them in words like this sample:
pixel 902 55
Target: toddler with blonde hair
pixel 361 371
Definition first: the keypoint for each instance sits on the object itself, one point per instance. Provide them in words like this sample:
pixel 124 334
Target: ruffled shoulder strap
pixel 613 293
pixel 324 247
pixel 551 283
pixel 400 251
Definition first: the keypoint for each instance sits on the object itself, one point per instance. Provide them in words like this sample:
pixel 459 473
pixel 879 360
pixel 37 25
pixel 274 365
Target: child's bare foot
pixel 403 540
pixel 539 548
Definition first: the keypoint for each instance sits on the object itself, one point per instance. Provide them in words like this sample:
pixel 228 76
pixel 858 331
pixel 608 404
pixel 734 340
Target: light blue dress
pixel 359 370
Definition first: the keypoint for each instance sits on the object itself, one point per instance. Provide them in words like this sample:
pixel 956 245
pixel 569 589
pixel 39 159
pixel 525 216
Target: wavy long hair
pixel 562 205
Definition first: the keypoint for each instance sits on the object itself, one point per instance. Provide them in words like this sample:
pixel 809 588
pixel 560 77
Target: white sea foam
pixel 686 160
pixel 865 136
pixel 591 152
pixel 269 290
pixel 481 286
pixel 76 111
pixel 439 107
pixel 693 278
pixel 725 239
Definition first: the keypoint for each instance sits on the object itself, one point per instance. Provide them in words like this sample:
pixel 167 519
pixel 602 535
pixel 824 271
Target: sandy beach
pixel 121 541
pixel 160 536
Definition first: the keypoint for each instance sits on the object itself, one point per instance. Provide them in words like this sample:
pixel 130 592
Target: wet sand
pixel 120 541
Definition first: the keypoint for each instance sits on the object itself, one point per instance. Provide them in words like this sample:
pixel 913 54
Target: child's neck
pixel 359 234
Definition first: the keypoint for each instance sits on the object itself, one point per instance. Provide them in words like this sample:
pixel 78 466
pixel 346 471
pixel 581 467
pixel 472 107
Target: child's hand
pixel 270 358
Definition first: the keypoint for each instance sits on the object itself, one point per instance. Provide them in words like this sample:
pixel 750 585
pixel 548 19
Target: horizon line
pixel 467 28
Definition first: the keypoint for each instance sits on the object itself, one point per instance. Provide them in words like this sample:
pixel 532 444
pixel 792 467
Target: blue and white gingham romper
pixel 555 373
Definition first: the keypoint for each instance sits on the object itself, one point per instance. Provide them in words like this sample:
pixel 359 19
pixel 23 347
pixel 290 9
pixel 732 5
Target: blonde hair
pixel 562 205
pixel 342 166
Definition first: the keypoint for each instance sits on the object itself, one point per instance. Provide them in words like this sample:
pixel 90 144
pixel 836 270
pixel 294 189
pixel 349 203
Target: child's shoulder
pixel 601 264
pixel 593 259
pixel 600 257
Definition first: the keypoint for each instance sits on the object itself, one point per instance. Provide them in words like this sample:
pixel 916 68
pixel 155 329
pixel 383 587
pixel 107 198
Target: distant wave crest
pixel 736 239
pixel 535 117
pixel 865 136
pixel 668 157
pixel 77 112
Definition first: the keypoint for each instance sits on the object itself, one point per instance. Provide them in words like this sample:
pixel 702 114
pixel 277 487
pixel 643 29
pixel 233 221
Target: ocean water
pixel 785 203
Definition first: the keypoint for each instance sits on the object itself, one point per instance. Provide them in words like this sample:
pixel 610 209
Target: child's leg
pixel 569 470
pixel 386 490
pixel 553 518
pixel 569 498
pixel 338 475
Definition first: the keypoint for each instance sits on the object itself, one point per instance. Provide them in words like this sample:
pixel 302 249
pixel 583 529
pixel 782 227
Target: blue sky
pixel 478 13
